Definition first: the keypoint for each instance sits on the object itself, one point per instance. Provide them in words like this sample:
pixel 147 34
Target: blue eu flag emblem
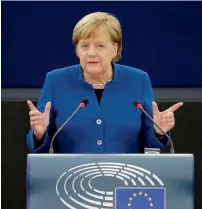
pixel 140 198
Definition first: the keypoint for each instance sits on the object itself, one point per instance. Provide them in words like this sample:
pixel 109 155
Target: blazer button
pixel 99 142
pixel 98 121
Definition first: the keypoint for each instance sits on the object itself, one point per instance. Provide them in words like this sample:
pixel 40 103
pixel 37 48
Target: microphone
pixel 82 104
pixel 138 105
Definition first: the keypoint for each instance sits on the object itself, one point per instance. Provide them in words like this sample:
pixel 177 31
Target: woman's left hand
pixel 165 119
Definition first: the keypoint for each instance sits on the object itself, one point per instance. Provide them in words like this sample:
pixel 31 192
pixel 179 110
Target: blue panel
pixel 162 181
pixel 162 38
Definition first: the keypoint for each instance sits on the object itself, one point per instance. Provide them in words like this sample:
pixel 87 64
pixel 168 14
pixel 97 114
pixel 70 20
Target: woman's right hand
pixel 39 121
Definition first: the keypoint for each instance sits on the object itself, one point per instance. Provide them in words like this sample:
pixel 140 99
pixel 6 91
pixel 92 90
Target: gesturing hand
pixel 39 121
pixel 165 119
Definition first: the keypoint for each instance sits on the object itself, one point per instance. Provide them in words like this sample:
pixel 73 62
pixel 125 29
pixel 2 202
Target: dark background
pixel 162 38
pixel 15 125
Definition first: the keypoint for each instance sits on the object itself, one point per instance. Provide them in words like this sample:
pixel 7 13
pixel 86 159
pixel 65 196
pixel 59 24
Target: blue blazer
pixel 114 126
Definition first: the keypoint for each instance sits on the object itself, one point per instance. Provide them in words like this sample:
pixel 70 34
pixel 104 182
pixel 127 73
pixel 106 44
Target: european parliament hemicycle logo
pixel 110 185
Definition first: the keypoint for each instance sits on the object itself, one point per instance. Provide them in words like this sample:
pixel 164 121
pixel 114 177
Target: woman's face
pixel 96 52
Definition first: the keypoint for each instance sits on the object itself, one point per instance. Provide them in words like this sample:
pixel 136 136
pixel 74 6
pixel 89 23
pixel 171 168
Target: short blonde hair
pixel 87 25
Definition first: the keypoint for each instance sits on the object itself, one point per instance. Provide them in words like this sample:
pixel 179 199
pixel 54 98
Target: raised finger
pixel 47 108
pixel 31 105
pixel 174 107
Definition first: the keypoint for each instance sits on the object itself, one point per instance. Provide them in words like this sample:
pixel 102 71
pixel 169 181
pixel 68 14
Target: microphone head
pixel 137 104
pixel 84 103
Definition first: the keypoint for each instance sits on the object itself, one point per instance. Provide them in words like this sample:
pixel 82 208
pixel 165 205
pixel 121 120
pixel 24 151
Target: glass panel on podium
pixel 110 181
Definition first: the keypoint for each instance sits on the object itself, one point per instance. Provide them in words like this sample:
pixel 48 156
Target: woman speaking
pixel 109 123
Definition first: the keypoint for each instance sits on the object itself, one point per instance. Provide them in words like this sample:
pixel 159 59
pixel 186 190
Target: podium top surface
pixel 116 154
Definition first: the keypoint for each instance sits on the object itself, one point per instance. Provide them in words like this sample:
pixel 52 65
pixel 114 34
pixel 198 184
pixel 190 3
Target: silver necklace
pixel 97 84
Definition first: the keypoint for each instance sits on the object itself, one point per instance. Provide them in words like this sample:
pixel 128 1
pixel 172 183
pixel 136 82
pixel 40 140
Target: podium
pixel 110 181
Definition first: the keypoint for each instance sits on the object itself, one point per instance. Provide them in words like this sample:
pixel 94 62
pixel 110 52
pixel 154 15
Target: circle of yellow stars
pixel 140 194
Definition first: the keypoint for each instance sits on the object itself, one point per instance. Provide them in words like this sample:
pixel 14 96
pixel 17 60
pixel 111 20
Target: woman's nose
pixel 91 51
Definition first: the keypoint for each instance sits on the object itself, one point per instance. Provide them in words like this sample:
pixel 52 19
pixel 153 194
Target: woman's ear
pixel 77 51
